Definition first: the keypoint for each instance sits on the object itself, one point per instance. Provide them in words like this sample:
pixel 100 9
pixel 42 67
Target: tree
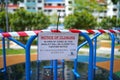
pixel 2 20
pixel 41 21
pixel 80 20
pixel 109 23
pixel 23 20
pixel 114 1
pixel 105 23
pixel 115 22
pixel 19 20
pixel 70 21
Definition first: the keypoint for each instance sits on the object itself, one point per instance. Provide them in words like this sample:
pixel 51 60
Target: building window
pixel 45 4
pixel 14 9
pixel 59 4
pixel 58 10
pixel 63 10
pixel 63 4
pixel 49 4
pixel 70 9
pixel 33 7
pixel 105 11
pixel 39 8
pixel 70 2
pixel 45 10
pixel 28 0
pixel 28 7
pixel 33 0
pixel 39 1
pixel 114 9
pixel 100 17
pixel 49 10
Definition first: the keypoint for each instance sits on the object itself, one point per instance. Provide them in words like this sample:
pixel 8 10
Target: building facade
pixel 112 10
pixel 65 7
pixel 49 7
pixel 12 8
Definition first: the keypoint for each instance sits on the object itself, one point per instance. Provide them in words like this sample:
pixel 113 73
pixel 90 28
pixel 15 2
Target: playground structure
pixel 85 33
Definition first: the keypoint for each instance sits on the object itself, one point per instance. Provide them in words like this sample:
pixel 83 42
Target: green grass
pixel 16 51
pixel 117 56
pixel 116 44
pixel 118 74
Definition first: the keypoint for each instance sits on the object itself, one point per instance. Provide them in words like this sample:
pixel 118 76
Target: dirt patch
pixel 0 46
pixel 106 65
pixel 15 59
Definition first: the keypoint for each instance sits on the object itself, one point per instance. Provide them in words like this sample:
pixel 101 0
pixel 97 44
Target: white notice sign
pixel 57 45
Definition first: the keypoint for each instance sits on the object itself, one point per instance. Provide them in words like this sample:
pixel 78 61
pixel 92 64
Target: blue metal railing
pixel 91 63
pixel 112 56
pixel 4 55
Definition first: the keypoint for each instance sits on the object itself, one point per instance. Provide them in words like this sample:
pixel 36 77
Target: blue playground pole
pixel 112 56
pixel 94 56
pixel 38 70
pixel 27 49
pixel 90 66
pixel 4 55
pixel 17 42
pixel 55 69
pixel 94 50
pixel 78 48
pixel 63 66
pixel 84 43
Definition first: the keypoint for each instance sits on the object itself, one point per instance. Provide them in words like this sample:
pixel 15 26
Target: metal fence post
pixel 55 69
pixel 90 66
pixel 78 48
pixel 27 51
pixel 112 56
pixel 94 55
pixel 4 55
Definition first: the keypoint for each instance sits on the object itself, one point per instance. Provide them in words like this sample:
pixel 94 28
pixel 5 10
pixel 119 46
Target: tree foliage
pixel 2 20
pixel 114 1
pixel 41 21
pixel 70 21
pixel 109 23
pixel 80 20
pixel 88 5
pixel 19 20
pixel 23 20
